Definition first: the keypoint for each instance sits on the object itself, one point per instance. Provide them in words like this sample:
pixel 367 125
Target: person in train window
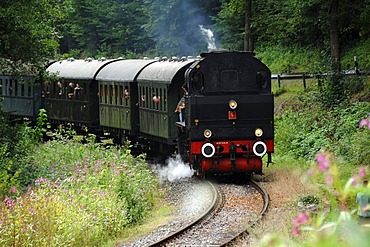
pixel 71 90
pixel 126 94
pixel 60 88
pixel 180 109
pixel 77 91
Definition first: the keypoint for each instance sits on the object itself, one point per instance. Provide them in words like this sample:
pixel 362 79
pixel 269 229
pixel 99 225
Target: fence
pixel 306 75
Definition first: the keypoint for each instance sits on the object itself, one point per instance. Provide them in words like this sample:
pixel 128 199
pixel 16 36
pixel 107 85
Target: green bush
pixel 282 59
pixel 87 194
pixel 16 144
pixel 304 133
pixel 361 51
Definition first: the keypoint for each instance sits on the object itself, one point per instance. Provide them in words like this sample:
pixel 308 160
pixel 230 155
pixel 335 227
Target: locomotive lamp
pixel 233 104
pixel 258 132
pixel 207 133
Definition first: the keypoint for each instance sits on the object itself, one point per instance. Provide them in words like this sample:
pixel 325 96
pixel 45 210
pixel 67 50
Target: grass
pixel 159 215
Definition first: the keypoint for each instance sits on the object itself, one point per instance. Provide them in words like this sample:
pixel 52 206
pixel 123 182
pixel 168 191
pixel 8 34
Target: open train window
pixel 101 94
pixel 229 80
pixel 197 81
pixel 261 79
pixel 115 94
pixel 10 89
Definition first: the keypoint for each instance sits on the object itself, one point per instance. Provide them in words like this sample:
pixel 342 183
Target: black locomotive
pixel 216 111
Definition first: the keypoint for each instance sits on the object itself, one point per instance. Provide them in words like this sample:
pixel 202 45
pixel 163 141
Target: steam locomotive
pixel 225 122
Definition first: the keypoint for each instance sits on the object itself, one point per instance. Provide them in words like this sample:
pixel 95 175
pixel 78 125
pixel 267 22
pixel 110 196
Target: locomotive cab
pixel 229 113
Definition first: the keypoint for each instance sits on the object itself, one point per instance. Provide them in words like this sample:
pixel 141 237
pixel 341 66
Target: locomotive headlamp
pixel 207 133
pixel 258 132
pixel 233 104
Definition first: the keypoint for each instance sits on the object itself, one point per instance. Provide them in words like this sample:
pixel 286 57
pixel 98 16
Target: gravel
pixel 188 206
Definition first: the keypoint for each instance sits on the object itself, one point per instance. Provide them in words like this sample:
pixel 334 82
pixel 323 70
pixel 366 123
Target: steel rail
pixel 266 202
pixel 215 204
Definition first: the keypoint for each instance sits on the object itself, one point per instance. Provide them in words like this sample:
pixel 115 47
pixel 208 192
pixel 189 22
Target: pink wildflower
pixel 362 172
pixel 323 167
pixel 309 172
pixel 296 221
pixel 32 211
pixel 40 180
pixel 354 181
pixel 9 202
pixel 329 180
pixel 363 123
pixel 304 218
pixel 13 190
pixel 323 162
pixel 295 231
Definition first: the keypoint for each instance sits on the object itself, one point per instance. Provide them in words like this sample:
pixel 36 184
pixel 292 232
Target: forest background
pixel 317 36
pixel 288 35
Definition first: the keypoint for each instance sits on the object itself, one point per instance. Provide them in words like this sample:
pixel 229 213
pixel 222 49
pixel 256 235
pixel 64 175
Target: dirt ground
pixel 284 187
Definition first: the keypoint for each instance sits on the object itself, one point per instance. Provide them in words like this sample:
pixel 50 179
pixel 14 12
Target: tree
pixel 106 27
pixel 28 32
pixel 248 36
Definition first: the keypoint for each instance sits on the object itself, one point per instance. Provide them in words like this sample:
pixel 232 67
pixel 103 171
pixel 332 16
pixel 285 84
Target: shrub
pixel 86 195
pixel 282 59
pixel 16 143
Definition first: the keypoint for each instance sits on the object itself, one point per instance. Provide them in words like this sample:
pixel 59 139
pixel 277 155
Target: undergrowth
pixel 81 194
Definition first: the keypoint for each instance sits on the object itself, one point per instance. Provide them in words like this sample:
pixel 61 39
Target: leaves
pixel 28 32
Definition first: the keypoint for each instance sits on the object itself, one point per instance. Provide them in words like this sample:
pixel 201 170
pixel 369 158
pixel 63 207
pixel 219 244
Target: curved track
pixel 216 201
pixel 234 209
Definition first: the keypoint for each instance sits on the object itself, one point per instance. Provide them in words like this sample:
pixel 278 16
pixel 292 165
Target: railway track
pixel 234 208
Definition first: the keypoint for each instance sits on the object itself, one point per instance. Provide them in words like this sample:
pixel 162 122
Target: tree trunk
pixel 334 35
pixel 248 37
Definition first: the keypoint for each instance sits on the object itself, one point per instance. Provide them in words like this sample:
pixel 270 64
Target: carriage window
pixel 15 87
pixel 84 95
pixel 126 95
pixel 165 99
pixel 229 80
pixel 143 97
pixel 101 93
pixel 29 91
pixel 161 99
pixel 146 98
pixel 197 81
pixel 105 94
pixel 59 90
pixel 261 79
pixel 120 95
pixel 115 94
pixel 110 94
pixel 1 87
pixel 22 89
pixel 10 87
pixel 77 91
pixel 156 99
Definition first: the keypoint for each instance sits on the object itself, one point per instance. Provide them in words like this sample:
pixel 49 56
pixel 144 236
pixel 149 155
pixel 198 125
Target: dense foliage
pixel 172 27
pixel 29 32
pixel 74 194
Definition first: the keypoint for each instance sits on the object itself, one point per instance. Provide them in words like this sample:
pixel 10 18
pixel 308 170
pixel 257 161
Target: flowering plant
pixel 344 230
